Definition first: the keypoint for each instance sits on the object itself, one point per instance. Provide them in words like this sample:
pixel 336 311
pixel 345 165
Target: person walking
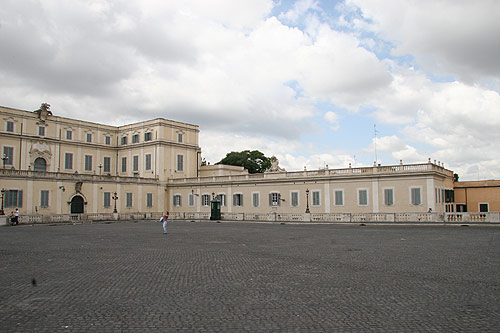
pixel 16 214
pixel 164 219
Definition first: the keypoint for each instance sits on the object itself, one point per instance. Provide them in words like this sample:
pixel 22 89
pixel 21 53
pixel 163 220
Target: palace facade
pixel 57 165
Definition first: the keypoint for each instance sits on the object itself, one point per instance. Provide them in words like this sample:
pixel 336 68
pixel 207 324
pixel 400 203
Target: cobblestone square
pixel 257 277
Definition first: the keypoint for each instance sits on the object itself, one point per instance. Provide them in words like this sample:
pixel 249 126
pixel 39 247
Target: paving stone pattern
pixel 249 277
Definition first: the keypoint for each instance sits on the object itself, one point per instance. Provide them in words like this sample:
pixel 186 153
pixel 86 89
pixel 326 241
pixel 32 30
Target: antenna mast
pixel 375 141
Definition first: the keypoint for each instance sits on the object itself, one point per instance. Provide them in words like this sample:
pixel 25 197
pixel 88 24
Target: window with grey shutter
pixel 135 138
pixel 89 137
pixel 149 199
pixel 69 135
pixel 129 199
pixel 88 163
pixel 107 199
pixel 222 199
pixel 191 200
pixel 363 197
pixel 10 126
pixel 238 199
pixel 388 197
pixel 316 199
pixel 107 164
pixel 148 136
pixel 180 163
pixel 177 200
pixel 13 198
pixel 295 199
pixel 9 155
pixel 416 199
pixel 135 163
pixel 124 164
pixel 339 198
pixel 68 161
pixel 255 199
pixel 44 198
pixel 148 161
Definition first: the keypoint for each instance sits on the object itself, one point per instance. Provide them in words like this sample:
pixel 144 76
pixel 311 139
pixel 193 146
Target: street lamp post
pixel 307 201
pixel 4 157
pixel 1 210
pixel 115 197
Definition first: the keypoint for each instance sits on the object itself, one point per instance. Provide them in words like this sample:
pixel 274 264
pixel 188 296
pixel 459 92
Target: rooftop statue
pixel 44 111
pixel 275 165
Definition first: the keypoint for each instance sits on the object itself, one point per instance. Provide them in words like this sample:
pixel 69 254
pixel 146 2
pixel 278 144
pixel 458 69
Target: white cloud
pixel 446 37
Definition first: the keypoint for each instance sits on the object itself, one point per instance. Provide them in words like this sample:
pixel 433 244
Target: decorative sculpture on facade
pixel 275 165
pixel 44 111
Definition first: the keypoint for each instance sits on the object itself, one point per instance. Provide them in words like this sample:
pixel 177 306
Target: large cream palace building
pixel 57 165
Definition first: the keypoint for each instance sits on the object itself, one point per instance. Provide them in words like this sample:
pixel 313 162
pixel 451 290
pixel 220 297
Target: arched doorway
pixel 77 205
pixel 40 164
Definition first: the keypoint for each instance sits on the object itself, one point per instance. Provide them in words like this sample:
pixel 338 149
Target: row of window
pixel 276 200
pixel 8 157
pixel 14 198
pixel 148 136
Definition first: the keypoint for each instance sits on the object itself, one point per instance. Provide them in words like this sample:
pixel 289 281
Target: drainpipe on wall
pixel 20 146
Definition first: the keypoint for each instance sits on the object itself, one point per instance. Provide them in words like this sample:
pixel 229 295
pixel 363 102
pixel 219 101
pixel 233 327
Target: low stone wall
pixel 349 218
pixel 267 217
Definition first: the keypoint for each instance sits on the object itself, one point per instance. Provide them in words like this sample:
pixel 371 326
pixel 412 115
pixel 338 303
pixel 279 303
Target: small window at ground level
pixel 177 200
pixel 416 198
pixel 129 199
pixel 363 197
pixel 44 198
pixel 295 199
pixel 274 199
pixel 205 200
pixel 107 199
pixel 255 199
pixel 13 198
pixel 388 197
pixel 316 198
pixel 339 198
pixel 238 199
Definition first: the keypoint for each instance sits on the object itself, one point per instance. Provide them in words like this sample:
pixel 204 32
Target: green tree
pixel 254 161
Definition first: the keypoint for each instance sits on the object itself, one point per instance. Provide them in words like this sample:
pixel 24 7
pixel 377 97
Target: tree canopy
pixel 254 161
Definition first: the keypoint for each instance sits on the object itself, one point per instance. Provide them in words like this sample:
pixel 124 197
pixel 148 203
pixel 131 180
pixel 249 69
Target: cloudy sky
pixel 306 81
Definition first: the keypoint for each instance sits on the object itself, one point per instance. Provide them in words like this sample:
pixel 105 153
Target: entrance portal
pixel 77 205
